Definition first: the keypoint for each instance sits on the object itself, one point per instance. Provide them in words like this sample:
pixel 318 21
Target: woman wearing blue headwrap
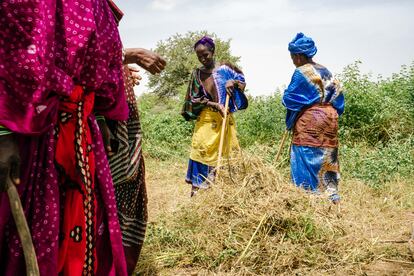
pixel 205 101
pixel 314 101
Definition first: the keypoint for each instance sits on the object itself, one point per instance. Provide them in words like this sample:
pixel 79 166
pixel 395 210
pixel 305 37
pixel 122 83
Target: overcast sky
pixel 380 33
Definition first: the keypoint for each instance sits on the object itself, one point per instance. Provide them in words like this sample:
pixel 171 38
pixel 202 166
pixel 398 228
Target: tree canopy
pixel 181 61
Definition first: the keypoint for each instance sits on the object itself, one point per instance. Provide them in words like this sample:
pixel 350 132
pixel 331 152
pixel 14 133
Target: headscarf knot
pixel 302 44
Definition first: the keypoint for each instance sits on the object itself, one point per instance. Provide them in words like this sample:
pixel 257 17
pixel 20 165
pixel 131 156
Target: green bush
pixel 263 122
pixel 379 165
pixel 377 111
pixel 166 134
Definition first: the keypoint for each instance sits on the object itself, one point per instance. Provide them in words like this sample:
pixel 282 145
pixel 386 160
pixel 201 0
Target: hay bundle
pixel 254 222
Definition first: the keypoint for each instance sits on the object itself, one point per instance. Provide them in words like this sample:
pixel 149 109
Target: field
pixel 254 222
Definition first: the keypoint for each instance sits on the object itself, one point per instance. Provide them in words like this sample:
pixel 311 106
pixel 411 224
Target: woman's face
pixel 295 59
pixel 205 56
pixel 298 60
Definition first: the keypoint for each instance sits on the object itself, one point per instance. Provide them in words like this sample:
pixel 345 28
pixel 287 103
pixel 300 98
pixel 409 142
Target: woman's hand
pixel 9 161
pixel 234 84
pixel 149 60
pixel 220 108
pixel 134 78
pixel 230 86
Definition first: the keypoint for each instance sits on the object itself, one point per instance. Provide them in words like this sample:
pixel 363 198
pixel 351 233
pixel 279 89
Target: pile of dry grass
pixel 254 222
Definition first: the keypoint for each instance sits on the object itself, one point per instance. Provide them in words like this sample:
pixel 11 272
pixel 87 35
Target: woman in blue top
pixel 314 101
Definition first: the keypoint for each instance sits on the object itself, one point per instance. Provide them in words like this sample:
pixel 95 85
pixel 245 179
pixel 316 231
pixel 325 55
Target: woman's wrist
pixel 129 55
pixel 213 105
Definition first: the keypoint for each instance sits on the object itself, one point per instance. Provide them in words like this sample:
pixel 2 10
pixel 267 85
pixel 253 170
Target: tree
pixel 181 61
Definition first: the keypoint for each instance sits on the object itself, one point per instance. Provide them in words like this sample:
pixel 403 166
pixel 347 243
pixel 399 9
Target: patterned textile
pixel 205 144
pixel 317 127
pixel 206 137
pixel 197 97
pixel 311 84
pixel 316 169
pixel 221 75
pixel 127 137
pixel 128 172
pixel 116 11
pixel 198 174
pixel 132 201
pixel 47 48
pixel 76 161
pixel 314 100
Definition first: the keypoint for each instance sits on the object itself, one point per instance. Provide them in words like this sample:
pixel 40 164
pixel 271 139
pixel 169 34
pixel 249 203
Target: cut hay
pixel 253 221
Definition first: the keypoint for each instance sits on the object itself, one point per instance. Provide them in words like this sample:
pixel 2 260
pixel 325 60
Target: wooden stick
pixel 393 241
pixel 282 143
pixel 222 135
pixel 32 268
pixel 397 261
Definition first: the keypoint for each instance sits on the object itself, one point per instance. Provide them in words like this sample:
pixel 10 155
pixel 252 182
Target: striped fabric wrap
pixel 124 164
pixel 128 173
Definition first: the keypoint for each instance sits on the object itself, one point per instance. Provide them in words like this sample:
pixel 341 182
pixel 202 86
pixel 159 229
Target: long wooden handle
pixel 222 134
pixel 282 143
pixel 32 268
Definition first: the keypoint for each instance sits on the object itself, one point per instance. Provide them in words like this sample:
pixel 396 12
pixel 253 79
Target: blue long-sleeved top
pixel 310 84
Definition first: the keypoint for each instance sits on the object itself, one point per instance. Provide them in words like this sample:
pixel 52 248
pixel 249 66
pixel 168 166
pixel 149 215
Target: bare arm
pixel 149 60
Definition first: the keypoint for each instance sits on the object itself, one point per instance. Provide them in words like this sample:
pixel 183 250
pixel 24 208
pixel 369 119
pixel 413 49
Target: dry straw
pixel 254 222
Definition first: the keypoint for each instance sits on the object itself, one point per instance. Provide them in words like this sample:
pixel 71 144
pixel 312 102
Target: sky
pixel 379 33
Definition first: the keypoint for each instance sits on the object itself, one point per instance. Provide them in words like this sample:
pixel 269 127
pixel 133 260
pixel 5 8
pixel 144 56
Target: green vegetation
pixel 378 111
pixel 377 128
pixel 179 53
pixel 166 134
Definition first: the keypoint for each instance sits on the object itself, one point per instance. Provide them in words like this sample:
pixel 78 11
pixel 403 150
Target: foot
pixel 194 191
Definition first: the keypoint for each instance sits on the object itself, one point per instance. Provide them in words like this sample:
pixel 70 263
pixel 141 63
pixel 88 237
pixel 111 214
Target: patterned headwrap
pixel 207 41
pixel 302 44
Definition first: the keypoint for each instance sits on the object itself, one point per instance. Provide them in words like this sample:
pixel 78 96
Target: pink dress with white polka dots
pixel 46 48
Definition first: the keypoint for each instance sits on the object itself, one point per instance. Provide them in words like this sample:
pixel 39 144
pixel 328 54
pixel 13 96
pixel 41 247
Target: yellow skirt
pixel 206 137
